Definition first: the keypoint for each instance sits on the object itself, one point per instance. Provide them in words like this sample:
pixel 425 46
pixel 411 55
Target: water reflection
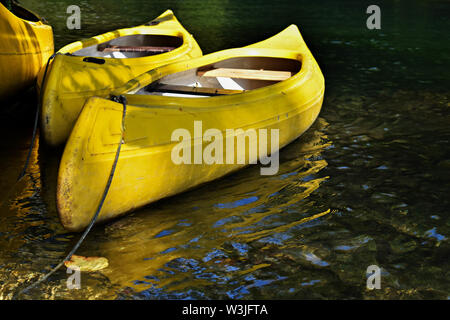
pixel 211 235
pixel 207 237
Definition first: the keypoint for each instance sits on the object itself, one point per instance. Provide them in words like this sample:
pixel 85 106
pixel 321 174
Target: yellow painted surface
pixel 70 80
pixel 145 170
pixel 25 47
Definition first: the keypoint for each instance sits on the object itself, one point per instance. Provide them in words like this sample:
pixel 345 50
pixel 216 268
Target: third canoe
pixel 275 85
pixel 96 66
pixel 26 43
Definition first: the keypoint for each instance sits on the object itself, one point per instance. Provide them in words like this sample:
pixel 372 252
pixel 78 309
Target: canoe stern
pixel 25 47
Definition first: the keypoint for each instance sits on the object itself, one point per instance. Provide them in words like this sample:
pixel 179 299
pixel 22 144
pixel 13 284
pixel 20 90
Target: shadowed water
pixel 367 184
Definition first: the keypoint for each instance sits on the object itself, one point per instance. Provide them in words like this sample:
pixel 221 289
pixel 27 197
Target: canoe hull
pixel 71 80
pixel 146 171
pixel 25 47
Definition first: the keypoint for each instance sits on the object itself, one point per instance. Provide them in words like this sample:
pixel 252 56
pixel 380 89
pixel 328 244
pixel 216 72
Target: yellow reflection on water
pixel 192 229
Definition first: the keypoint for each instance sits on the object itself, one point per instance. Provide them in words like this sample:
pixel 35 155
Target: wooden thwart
pixel 269 75
pixel 150 49
pixel 194 90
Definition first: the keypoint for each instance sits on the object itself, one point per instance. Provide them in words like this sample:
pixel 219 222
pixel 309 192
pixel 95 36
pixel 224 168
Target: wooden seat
pixel 167 88
pixel 148 49
pixel 268 75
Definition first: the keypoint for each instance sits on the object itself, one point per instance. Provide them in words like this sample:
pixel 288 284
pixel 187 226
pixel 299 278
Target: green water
pixel 377 160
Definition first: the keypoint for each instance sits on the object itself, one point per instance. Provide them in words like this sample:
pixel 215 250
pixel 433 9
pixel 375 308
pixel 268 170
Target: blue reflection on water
pixel 310 283
pixel 164 233
pixel 237 203
pixel 433 234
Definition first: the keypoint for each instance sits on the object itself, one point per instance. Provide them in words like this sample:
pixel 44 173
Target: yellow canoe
pixel 95 66
pixel 26 43
pixel 162 101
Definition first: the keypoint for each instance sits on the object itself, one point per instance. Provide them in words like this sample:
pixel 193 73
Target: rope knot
pixel 119 99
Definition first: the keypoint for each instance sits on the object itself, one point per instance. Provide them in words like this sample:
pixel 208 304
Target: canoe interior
pixel 21 12
pixel 229 76
pixel 132 46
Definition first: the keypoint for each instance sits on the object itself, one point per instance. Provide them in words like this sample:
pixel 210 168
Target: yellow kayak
pixel 273 84
pixel 26 43
pixel 95 66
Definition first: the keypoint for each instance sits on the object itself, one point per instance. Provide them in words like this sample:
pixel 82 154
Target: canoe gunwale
pixel 305 73
pixel 145 29
pixel 186 44
pixel 157 74
pixel 185 47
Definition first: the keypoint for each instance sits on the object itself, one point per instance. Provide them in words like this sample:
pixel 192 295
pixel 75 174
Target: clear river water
pixel 367 184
